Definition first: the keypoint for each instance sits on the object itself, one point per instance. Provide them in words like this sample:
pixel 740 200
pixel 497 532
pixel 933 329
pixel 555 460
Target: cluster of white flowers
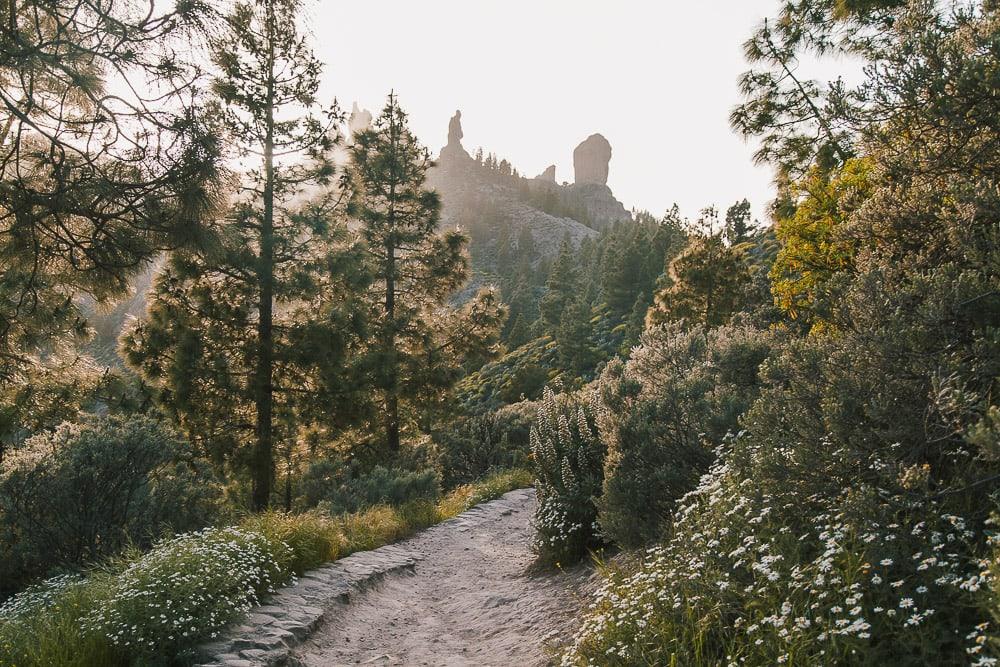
pixel 188 587
pixel 38 598
pixel 554 525
pixel 811 578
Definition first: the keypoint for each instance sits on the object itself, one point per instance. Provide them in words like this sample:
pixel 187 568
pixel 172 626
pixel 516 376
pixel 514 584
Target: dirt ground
pixel 475 599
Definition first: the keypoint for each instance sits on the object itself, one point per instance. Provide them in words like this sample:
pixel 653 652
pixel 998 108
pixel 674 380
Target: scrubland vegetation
pixel 812 478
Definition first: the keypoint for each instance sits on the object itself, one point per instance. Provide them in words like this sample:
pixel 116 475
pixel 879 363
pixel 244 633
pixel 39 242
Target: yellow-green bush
pixel 314 537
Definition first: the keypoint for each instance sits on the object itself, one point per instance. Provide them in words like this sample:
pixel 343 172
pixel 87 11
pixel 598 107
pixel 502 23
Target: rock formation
pixel 548 175
pixel 359 120
pixel 600 205
pixel 590 160
pixel 454 149
pixel 455 133
pixel 495 205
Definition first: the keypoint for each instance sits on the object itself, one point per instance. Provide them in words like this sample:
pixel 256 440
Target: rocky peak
pixel 454 149
pixel 590 160
pixel 359 120
pixel 548 175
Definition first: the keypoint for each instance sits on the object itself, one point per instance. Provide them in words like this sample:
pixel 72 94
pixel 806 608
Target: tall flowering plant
pixel 568 458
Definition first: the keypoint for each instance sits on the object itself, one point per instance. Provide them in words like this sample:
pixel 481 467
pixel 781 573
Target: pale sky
pixel 533 78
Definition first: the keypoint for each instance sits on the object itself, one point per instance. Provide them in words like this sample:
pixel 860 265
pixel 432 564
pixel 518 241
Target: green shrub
pixel 526 382
pixel 339 488
pixel 482 444
pixel 663 412
pixel 568 460
pixel 84 492
pixel 383 486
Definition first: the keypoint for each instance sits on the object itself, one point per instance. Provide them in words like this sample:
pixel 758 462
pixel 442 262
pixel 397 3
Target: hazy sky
pixel 533 78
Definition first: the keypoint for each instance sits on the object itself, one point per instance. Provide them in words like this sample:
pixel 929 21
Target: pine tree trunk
pixel 391 397
pixel 263 458
pixel 288 482
pixel 392 381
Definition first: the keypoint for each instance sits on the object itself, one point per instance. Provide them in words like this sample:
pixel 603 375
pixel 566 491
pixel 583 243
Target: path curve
pixel 472 599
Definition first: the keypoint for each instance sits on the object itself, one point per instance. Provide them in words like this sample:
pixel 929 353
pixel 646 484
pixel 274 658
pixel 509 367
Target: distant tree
pixel 635 323
pixel 738 224
pixel 573 337
pixel 526 244
pixel 620 276
pixel 704 282
pixel 522 303
pixel 225 362
pixel 418 340
pixel 518 334
pixel 561 287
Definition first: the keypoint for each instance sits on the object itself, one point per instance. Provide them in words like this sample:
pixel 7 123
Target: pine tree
pixel 573 337
pixel 704 282
pixel 93 185
pixel 635 324
pixel 561 287
pixel 518 334
pixel 226 363
pixel 738 222
pixel 621 273
pixel 418 341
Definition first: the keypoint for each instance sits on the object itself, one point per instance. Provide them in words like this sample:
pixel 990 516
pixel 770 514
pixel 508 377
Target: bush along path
pixel 460 593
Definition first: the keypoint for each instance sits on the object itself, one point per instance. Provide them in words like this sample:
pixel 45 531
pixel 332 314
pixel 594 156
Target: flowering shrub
pixel 41 624
pixel 569 460
pixel 757 575
pixel 38 598
pixel 188 588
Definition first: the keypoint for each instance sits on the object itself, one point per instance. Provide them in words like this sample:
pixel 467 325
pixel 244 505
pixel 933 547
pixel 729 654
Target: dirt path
pixel 471 601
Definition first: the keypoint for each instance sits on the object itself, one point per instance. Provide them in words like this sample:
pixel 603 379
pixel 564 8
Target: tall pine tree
pixel 418 341
pixel 561 288
pixel 94 182
pixel 242 337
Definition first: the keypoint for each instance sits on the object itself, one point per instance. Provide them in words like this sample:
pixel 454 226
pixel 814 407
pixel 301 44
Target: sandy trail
pixel 472 601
